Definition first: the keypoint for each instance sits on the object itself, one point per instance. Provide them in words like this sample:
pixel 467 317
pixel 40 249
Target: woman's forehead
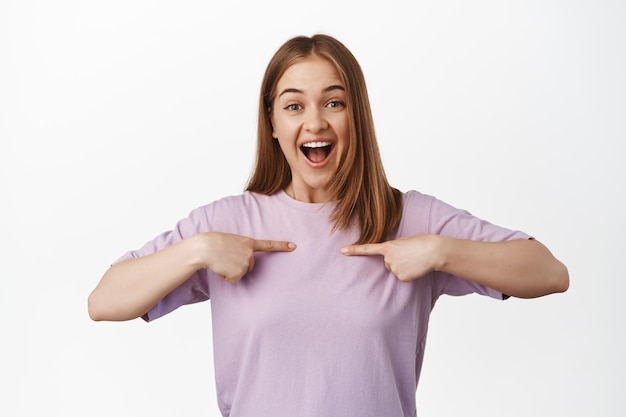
pixel 309 73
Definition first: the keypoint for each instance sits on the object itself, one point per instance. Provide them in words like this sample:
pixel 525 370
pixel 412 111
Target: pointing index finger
pixel 365 249
pixel 272 246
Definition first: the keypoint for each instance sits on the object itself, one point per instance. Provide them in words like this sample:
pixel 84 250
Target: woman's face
pixel 310 122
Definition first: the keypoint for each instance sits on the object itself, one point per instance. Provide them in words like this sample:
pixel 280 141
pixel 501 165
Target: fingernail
pixel 291 245
pixel 344 250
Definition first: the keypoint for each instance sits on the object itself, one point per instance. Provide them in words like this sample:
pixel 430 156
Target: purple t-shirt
pixel 312 332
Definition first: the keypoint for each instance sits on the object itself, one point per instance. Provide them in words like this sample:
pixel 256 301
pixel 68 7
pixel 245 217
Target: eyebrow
pixel 327 89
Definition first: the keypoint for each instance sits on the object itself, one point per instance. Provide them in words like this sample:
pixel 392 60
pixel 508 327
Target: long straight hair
pixel 360 185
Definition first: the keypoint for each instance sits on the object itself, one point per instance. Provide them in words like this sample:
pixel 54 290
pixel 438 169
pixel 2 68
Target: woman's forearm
pixel 521 268
pixel 130 288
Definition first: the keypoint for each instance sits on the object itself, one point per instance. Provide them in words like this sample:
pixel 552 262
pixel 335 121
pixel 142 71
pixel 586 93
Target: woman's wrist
pixel 443 248
pixel 198 249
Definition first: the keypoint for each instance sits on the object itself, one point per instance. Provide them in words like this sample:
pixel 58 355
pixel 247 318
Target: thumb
pixel 272 246
pixel 365 249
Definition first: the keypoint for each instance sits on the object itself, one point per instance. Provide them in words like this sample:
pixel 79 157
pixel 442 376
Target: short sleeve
pixel 447 220
pixel 196 288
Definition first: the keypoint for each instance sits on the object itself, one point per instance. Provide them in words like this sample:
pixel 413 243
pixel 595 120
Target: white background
pixel 117 118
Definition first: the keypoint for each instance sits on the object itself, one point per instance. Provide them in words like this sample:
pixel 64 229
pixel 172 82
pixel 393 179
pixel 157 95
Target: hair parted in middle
pixel 361 188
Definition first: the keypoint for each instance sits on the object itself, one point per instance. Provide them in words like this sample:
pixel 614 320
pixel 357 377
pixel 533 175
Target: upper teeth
pixel 316 144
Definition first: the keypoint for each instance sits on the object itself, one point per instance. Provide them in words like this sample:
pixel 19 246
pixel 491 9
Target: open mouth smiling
pixel 316 152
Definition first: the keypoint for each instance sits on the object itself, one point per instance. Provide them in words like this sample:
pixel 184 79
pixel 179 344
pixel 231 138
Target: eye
pixel 293 107
pixel 336 104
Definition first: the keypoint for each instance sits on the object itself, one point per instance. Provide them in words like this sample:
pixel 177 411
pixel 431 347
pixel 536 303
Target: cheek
pixel 343 131
pixel 285 146
pixel 279 127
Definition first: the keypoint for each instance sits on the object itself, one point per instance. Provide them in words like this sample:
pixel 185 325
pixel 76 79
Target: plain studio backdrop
pixel 118 118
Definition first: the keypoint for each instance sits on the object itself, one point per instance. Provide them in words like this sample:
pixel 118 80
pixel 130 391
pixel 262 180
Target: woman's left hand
pixel 408 258
pixel 521 268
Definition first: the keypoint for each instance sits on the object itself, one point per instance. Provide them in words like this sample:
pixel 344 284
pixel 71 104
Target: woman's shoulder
pixel 416 208
pixel 422 201
pixel 428 213
pixel 247 201
pixel 413 198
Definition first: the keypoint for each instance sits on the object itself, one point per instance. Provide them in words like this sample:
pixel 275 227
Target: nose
pixel 315 121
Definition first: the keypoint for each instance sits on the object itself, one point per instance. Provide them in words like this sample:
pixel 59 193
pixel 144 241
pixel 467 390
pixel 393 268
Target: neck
pixel 308 196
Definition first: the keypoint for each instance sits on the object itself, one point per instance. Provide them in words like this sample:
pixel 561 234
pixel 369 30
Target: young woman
pixel 321 275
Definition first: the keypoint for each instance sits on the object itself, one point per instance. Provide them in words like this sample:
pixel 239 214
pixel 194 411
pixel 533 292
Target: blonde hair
pixel 360 186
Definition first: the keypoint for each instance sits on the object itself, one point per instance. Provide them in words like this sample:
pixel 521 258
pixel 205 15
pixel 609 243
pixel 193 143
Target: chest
pixel 315 294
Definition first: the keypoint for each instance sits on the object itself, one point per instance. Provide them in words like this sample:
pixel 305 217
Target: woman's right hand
pixel 130 288
pixel 231 256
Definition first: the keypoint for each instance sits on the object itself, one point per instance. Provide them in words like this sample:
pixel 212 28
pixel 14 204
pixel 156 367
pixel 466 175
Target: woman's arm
pixel 131 288
pixel 522 268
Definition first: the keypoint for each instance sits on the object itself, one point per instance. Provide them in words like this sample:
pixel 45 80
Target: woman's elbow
pixel 560 277
pixel 94 308
pixel 552 273
pixel 101 309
